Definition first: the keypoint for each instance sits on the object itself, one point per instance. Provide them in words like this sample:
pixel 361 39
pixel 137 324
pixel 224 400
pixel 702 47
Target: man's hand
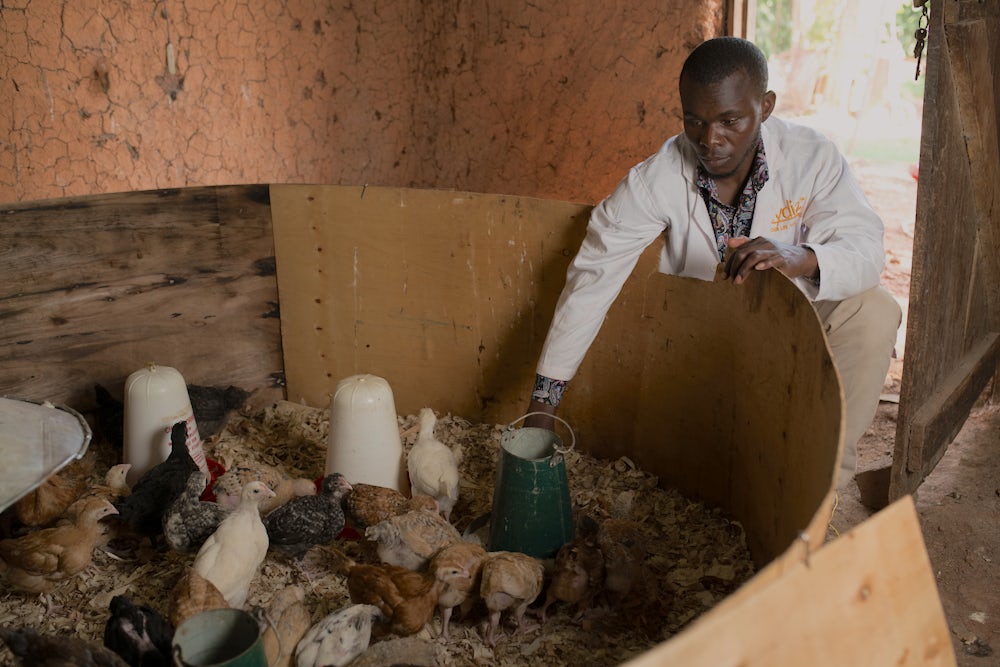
pixel 745 255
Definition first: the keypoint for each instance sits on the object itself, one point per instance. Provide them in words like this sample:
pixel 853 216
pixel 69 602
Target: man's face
pixel 722 121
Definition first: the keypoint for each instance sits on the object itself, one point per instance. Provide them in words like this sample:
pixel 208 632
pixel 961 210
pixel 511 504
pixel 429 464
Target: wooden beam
pixel 940 417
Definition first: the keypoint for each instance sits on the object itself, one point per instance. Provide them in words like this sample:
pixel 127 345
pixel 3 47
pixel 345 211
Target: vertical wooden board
pixel 953 290
pixel 444 294
pixel 96 287
pixel 868 598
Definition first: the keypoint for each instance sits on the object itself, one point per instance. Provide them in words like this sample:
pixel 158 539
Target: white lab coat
pixel 810 198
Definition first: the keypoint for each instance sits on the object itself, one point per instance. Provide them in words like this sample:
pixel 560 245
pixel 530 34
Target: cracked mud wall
pixel 548 99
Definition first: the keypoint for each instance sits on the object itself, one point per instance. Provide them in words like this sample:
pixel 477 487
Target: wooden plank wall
pixel 953 328
pixel 94 288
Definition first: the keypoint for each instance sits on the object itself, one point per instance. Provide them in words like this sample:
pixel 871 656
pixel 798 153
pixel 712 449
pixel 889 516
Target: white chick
pixel 432 466
pixel 338 638
pixel 231 556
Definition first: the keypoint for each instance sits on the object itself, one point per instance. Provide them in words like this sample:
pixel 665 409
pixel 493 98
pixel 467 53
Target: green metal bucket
pixel 219 638
pixel 532 512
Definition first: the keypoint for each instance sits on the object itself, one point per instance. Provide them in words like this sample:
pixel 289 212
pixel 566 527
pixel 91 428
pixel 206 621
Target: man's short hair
pixel 718 58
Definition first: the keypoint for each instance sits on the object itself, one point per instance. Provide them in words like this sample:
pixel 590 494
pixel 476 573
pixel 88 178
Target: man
pixel 754 193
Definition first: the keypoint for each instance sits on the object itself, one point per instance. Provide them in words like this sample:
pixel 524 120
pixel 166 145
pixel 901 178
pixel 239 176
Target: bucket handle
pixel 560 451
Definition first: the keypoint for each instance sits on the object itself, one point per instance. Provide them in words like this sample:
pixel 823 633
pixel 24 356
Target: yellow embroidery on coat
pixel 792 210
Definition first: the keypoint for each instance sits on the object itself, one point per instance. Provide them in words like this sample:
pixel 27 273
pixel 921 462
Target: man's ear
pixel 767 105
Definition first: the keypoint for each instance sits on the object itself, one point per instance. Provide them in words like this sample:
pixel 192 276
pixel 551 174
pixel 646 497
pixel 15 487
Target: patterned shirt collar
pixel 733 221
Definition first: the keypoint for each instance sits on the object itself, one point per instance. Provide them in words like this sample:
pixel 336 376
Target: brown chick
pixel 228 486
pixel 113 487
pixel 288 620
pixel 368 504
pixel 409 540
pixel 624 549
pixel 47 503
pixel 579 570
pixel 510 580
pixel 458 567
pixel 407 599
pixel 193 594
pixel 36 561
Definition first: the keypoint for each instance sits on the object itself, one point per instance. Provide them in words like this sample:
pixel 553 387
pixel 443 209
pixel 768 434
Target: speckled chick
pixel 339 638
pixel 189 520
pixel 409 540
pixel 432 466
pixel 228 486
pixel 232 555
pixel 38 650
pixel 368 504
pixel 306 521
pixel 510 581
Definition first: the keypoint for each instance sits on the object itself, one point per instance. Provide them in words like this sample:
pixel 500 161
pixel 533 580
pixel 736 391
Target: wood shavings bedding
pixel 697 555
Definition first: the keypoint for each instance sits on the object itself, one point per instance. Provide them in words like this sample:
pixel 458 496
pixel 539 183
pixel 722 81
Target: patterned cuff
pixel 548 391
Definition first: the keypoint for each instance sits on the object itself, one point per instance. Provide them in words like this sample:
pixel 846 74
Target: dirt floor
pixel 959 502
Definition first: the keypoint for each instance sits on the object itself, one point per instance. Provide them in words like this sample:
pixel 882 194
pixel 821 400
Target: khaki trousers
pixel 861 331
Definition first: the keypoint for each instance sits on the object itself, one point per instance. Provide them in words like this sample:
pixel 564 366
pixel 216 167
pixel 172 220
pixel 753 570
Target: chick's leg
pixel 491 633
pixel 445 617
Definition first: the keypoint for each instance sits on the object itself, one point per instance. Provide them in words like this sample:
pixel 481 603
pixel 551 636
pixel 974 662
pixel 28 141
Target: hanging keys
pixel 918 49
pixel 921 38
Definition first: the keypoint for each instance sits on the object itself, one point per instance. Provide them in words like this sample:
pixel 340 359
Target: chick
pixel 189 521
pixel 306 521
pixel 50 500
pixel 288 620
pixel 115 486
pixel 459 568
pixel 36 561
pixel 368 504
pixel 228 486
pixel 432 466
pixel 143 509
pixel 624 549
pixel 38 650
pixel 193 594
pixel 212 406
pixel 579 570
pixel 510 580
pixel 139 634
pixel 407 599
pixel 409 540
pixel 338 638
pixel 232 555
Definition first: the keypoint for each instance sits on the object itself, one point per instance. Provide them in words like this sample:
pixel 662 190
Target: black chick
pixel 38 650
pixel 139 634
pixel 305 521
pixel 110 418
pixel 189 521
pixel 212 405
pixel 159 487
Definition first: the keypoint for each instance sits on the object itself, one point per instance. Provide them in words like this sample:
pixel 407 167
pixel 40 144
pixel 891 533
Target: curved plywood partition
pixel 725 392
